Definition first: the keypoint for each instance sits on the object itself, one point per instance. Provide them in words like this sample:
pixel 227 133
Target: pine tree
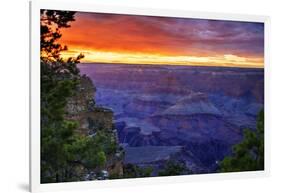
pixel 61 149
pixel 249 154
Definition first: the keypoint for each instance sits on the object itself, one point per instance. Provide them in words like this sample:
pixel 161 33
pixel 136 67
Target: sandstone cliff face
pixel 85 94
pixel 82 108
pixel 92 118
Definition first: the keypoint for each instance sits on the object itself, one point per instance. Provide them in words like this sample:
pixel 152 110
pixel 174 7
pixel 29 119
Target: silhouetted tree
pixel 59 79
pixel 61 149
pixel 51 23
pixel 249 154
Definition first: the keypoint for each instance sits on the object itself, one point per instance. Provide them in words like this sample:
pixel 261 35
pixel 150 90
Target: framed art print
pixel 124 96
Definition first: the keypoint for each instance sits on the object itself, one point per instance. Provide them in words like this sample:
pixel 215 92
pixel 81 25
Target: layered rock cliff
pixel 93 118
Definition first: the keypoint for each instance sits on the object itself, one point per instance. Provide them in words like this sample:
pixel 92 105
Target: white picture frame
pixel 35 7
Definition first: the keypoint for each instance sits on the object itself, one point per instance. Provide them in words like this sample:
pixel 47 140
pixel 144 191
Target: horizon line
pixel 191 65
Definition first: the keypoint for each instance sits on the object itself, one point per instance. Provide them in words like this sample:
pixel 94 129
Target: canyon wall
pixel 92 118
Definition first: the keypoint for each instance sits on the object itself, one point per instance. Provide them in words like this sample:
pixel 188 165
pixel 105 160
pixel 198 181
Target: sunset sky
pixel 112 38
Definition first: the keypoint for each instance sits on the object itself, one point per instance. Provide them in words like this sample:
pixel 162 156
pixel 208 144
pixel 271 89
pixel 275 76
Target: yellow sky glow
pixel 227 60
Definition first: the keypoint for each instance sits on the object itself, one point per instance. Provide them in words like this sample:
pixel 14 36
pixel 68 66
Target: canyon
pixel 161 112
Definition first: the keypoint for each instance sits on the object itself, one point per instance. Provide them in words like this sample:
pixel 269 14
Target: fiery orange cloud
pixel 109 38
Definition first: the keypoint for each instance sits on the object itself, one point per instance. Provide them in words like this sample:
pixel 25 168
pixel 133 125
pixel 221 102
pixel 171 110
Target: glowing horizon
pixel 112 38
pixel 226 60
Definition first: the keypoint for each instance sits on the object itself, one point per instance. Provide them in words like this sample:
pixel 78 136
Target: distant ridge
pixel 177 65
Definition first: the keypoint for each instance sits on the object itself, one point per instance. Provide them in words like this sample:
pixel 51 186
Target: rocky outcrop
pixel 192 104
pixel 82 108
pixel 84 96
pixel 92 118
